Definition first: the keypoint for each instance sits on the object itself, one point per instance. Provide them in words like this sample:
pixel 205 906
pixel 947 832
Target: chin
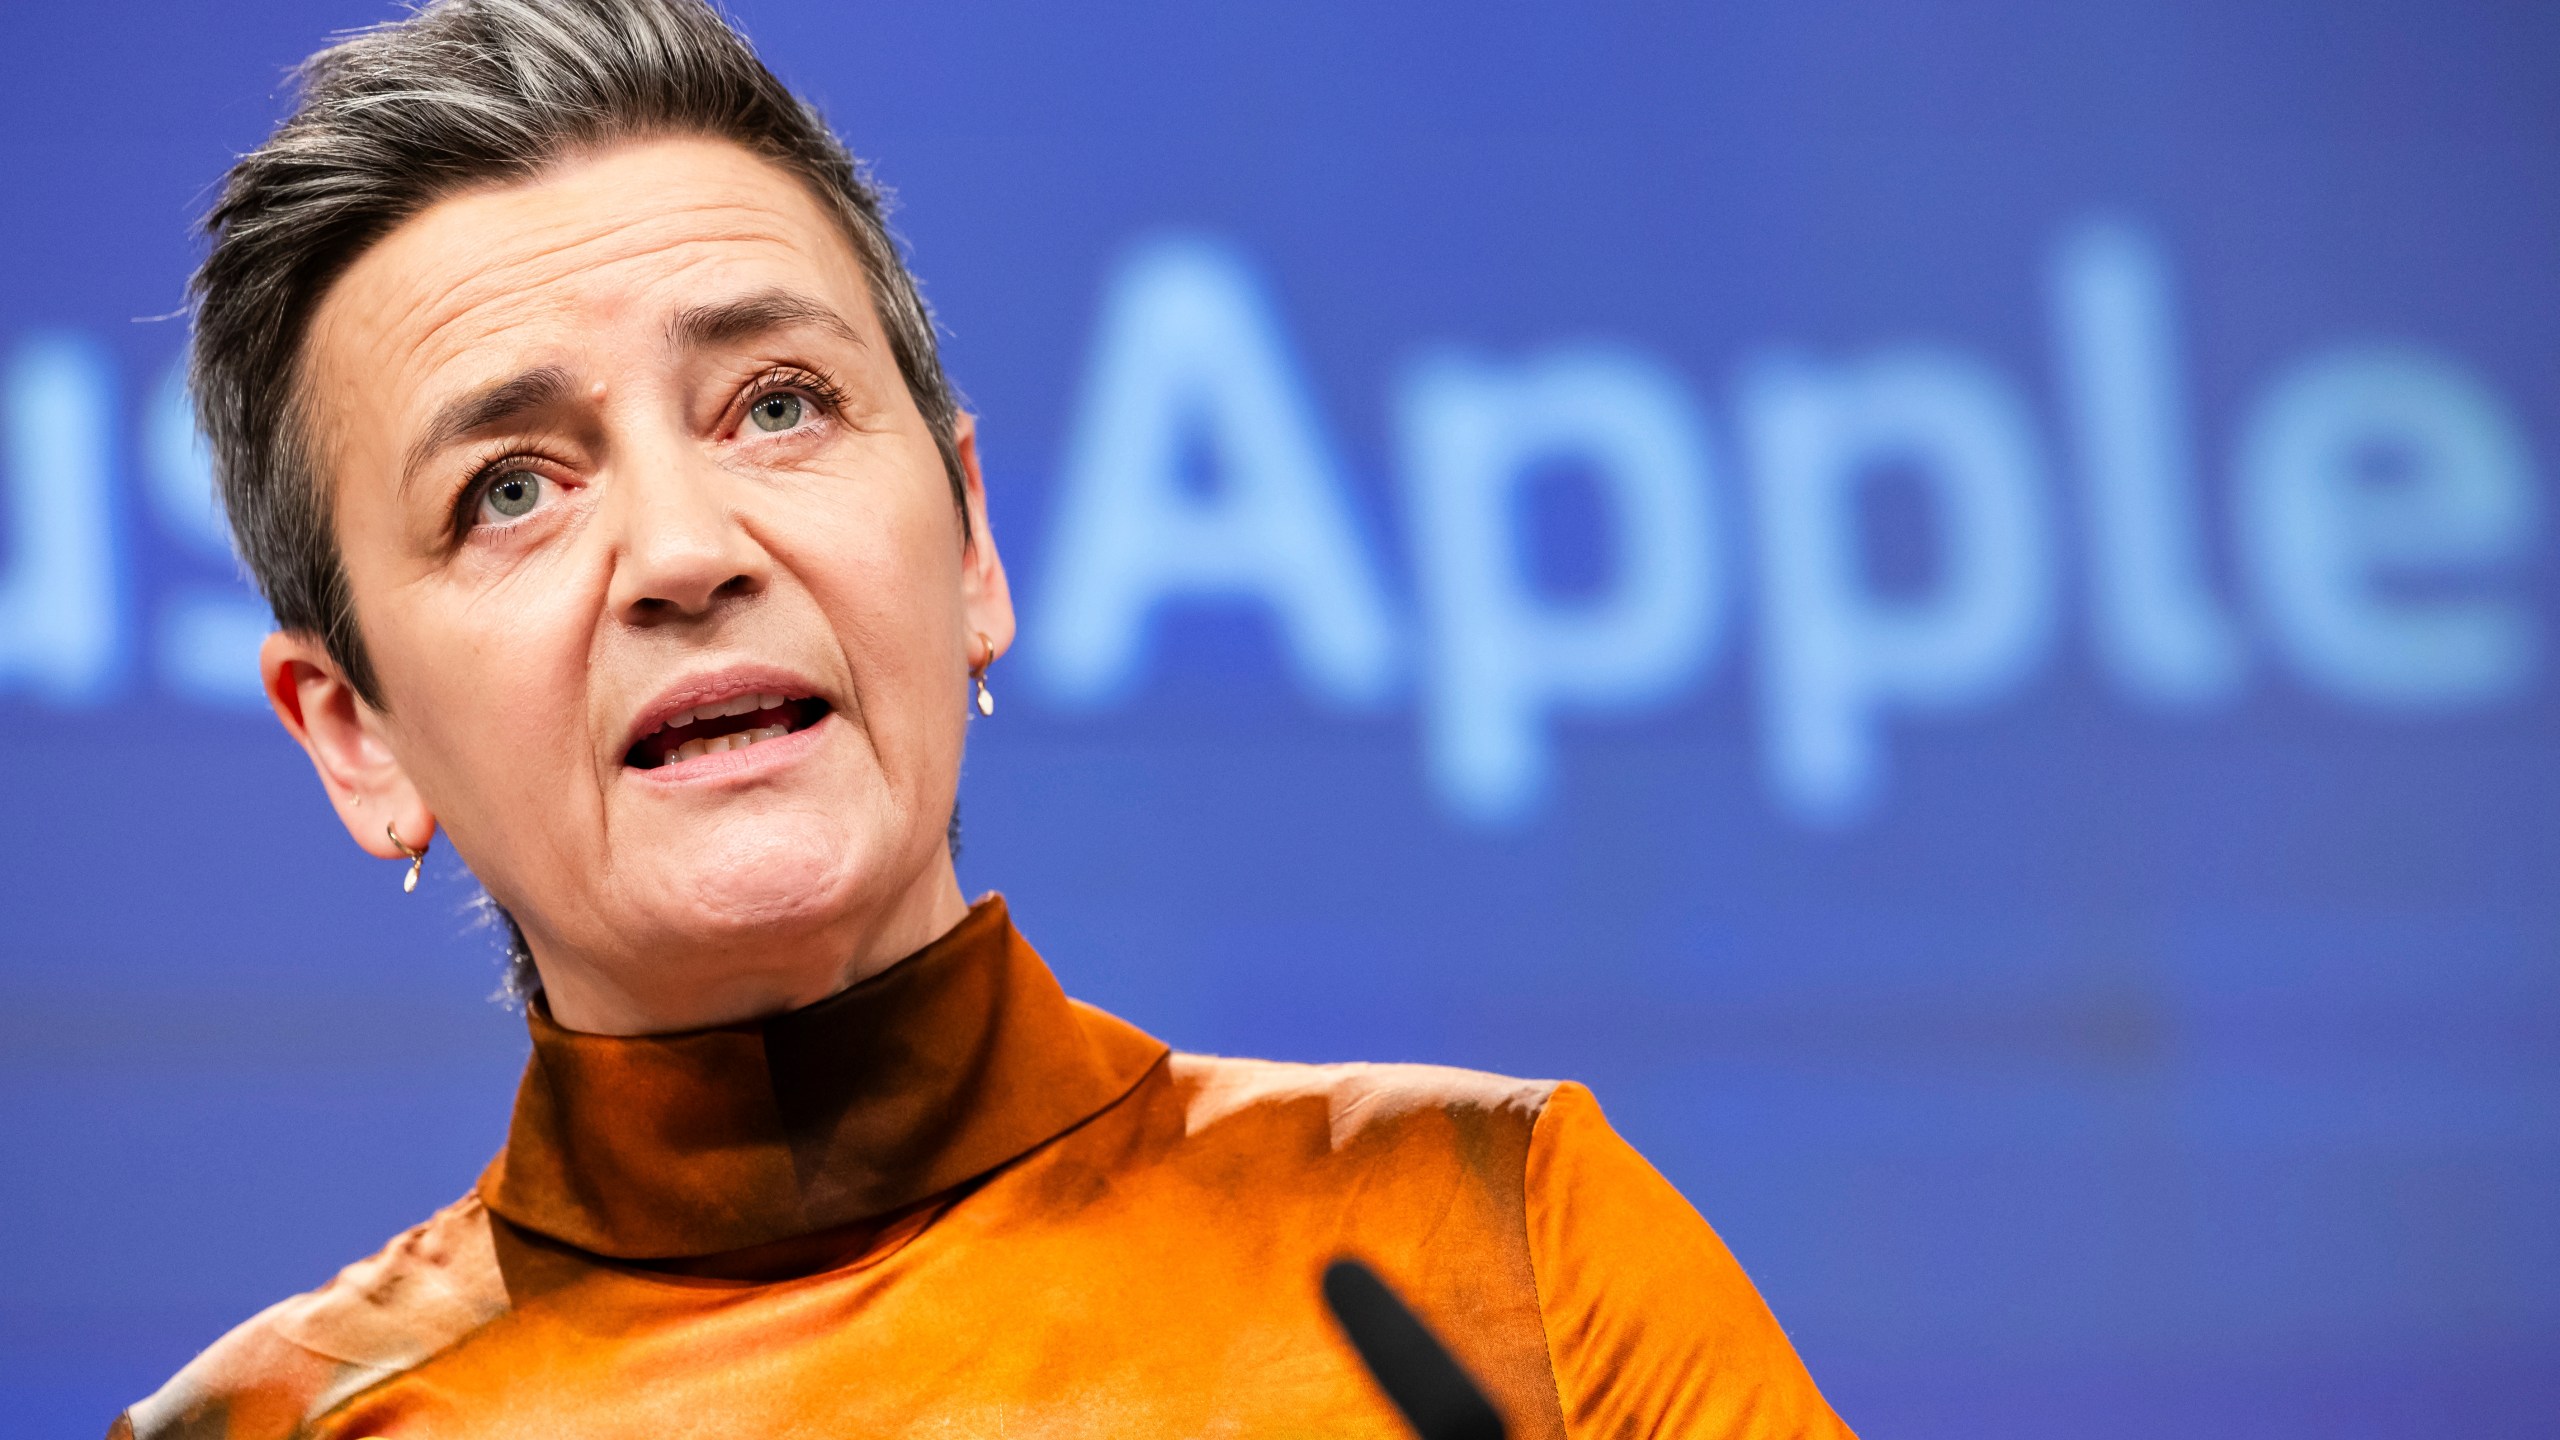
pixel 775 881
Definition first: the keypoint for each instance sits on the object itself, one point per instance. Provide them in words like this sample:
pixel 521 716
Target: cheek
pixel 500 690
pixel 888 587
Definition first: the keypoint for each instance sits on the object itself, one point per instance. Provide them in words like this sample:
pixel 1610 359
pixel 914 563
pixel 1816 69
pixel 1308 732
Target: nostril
pixel 655 607
pixel 684 605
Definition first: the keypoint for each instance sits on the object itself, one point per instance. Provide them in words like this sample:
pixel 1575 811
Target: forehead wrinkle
pixel 505 282
pixel 532 231
pixel 550 247
pixel 471 311
pixel 591 199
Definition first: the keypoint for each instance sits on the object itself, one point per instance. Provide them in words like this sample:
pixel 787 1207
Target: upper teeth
pixel 741 705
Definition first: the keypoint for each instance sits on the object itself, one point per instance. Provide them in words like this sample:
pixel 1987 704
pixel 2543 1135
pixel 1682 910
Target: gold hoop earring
pixel 978 673
pixel 417 859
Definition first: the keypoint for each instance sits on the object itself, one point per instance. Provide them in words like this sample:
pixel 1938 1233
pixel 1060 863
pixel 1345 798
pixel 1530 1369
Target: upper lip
pixel 711 686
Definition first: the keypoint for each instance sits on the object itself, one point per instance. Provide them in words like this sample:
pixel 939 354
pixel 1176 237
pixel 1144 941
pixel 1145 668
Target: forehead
pixel 570 258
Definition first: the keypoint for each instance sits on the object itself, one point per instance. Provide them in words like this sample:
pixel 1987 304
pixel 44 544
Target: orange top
pixel 951 1201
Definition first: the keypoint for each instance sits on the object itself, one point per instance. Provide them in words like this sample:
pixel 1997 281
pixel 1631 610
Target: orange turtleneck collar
pixel 927 1075
pixel 952 1201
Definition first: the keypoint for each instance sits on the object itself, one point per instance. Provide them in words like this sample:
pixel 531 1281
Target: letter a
pixel 1190 360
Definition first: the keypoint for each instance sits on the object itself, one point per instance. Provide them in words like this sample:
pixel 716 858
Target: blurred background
pixel 1951 604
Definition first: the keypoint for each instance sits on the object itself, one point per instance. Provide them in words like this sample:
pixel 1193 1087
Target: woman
pixel 584 429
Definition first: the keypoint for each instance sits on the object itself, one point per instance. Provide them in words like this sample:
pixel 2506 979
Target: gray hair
pixel 461 93
pixel 391 119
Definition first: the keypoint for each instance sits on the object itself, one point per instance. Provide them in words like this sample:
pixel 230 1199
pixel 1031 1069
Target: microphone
pixel 1424 1380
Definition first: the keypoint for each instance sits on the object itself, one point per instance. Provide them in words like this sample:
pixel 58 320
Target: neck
pixel 733 1140
pixel 746 977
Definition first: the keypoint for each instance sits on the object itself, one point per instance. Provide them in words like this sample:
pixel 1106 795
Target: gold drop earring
pixel 978 673
pixel 417 859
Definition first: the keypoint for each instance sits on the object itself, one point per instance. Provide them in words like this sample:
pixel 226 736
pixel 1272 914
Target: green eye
pixel 778 411
pixel 514 493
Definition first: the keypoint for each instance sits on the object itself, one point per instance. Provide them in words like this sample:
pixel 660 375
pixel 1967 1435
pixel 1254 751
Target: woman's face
pixel 661 576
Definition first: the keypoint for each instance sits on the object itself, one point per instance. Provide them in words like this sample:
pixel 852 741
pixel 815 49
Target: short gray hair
pixel 461 93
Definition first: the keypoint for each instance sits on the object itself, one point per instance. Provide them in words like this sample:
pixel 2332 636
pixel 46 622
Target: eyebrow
pixel 491 406
pixel 509 401
pixel 703 326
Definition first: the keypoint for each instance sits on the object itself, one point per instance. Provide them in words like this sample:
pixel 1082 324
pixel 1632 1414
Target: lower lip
pixel 759 759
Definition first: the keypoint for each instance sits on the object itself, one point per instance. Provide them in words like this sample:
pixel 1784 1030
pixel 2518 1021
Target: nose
pixel 683 553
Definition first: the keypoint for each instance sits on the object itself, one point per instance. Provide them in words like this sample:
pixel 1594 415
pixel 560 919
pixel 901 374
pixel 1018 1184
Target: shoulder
pixel 1652 1325
pixel 1346 1131
pixel 1356 1103
pixel 434 1283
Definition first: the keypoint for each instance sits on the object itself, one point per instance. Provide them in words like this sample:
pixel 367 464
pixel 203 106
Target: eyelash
pixel 791 377
pixel 466 503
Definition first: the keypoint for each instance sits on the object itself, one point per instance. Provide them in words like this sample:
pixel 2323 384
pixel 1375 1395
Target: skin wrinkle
pixel 492 409
pixel 610 761
pixel 669 538
pixel 699 327
pixel 510 281
pixel 507 278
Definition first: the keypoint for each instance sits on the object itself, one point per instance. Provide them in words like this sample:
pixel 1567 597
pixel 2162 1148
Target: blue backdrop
pixel 1952 604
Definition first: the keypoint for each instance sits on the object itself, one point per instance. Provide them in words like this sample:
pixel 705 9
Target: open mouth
pixel 731 724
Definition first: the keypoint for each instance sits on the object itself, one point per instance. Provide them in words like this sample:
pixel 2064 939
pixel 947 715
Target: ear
pixel 344 738
pixel 986 600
